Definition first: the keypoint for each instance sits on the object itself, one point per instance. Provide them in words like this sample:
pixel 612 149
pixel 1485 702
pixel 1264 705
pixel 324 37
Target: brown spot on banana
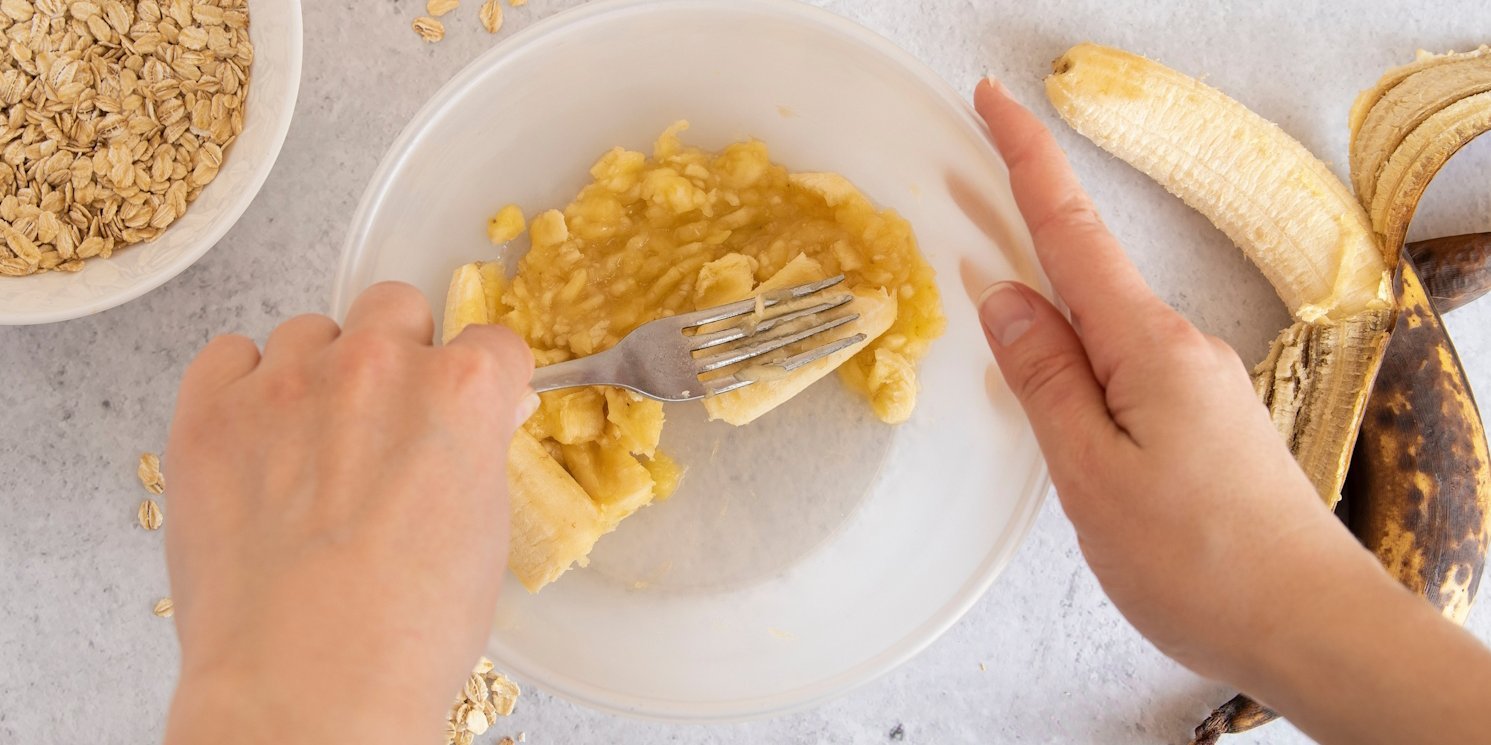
pixel 1455 269
pixel 1420 482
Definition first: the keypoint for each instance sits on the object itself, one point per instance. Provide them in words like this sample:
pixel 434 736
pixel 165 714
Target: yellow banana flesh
pixel 1284 208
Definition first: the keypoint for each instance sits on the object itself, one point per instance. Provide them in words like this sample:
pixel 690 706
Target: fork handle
pixel 595 369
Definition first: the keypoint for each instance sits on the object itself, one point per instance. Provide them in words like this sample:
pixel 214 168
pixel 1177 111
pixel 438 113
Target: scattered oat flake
pixel 441 7
pixel 982 668
pixel 491 16
pixel 149 515
pixel 522 736
pixel 486 696
pixel 150 474
pixel 517 3
pixel 429 29
pixel 164 608
pixel 505 741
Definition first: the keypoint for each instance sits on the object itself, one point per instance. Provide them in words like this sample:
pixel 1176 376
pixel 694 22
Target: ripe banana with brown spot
pixel 1284 208
pixel 1271 197
pixel 1419 489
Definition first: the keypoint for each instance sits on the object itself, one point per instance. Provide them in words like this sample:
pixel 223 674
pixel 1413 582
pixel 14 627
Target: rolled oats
pixel 150 474
pixel 486 696
pixel 164 608
pixel 149 515
pixel 491 16
pixel 429 29
pixel 441 7
pixel 109 107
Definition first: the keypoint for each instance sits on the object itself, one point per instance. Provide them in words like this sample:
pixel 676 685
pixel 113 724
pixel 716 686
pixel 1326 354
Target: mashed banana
pixel 683 230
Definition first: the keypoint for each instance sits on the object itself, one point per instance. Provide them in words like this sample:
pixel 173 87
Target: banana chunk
pixel 555 524
pixel 876 312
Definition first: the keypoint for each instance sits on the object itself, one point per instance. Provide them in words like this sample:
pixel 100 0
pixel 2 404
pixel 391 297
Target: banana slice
pixel 877 311
pixel 466 302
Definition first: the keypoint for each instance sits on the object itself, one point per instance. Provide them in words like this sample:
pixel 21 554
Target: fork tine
pixel 737 309
pixel 727 383
pixel 818 353
pixel 705 341
pixel 768 345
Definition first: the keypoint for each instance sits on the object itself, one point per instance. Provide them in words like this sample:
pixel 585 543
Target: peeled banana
pixel 1292 217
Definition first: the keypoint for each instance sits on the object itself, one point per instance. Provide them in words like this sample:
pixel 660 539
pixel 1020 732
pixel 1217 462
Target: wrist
pixel 312 703
pixel 1309 621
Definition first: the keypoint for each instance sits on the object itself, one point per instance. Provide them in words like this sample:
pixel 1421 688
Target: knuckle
pixel 308 322
pixel 1045 372
pixel 360 356
pixel 1075 215
pixel 466 365
pixel 286 387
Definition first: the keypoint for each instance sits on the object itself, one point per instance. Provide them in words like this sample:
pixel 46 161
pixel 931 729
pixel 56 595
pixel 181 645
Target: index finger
pixel 1087 266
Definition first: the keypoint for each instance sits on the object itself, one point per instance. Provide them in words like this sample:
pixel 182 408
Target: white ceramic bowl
pixel 816 548
pixel 275 29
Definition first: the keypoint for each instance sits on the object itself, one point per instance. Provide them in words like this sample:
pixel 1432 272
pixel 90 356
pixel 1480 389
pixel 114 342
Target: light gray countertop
pixel 1043 658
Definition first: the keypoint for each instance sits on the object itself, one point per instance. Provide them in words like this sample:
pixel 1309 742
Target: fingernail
pixel 525 409
pixel 1005 313
pixel 997 85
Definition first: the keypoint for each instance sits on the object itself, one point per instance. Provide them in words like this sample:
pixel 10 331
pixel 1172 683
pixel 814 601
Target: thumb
pixel 1043 362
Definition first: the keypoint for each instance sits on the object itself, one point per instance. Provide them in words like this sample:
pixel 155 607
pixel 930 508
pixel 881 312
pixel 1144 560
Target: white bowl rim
pixel 220 227
pixel 938 622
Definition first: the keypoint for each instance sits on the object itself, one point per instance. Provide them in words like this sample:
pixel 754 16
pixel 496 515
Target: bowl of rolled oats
pixel 133 134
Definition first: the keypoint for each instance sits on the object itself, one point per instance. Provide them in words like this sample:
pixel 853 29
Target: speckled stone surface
pixel 1043 658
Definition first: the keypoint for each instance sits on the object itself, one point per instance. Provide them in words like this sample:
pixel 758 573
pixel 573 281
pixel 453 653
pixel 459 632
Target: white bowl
pixel 275 29
pixel 816 548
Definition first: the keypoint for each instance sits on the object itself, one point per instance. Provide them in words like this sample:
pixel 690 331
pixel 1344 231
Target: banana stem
pixel 1455 269
pixel 1238 715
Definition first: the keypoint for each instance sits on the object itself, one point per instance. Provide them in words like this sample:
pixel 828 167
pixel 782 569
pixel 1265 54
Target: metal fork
pixel 664 361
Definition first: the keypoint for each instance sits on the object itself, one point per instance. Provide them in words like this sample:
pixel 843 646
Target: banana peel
pixel 1455 269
